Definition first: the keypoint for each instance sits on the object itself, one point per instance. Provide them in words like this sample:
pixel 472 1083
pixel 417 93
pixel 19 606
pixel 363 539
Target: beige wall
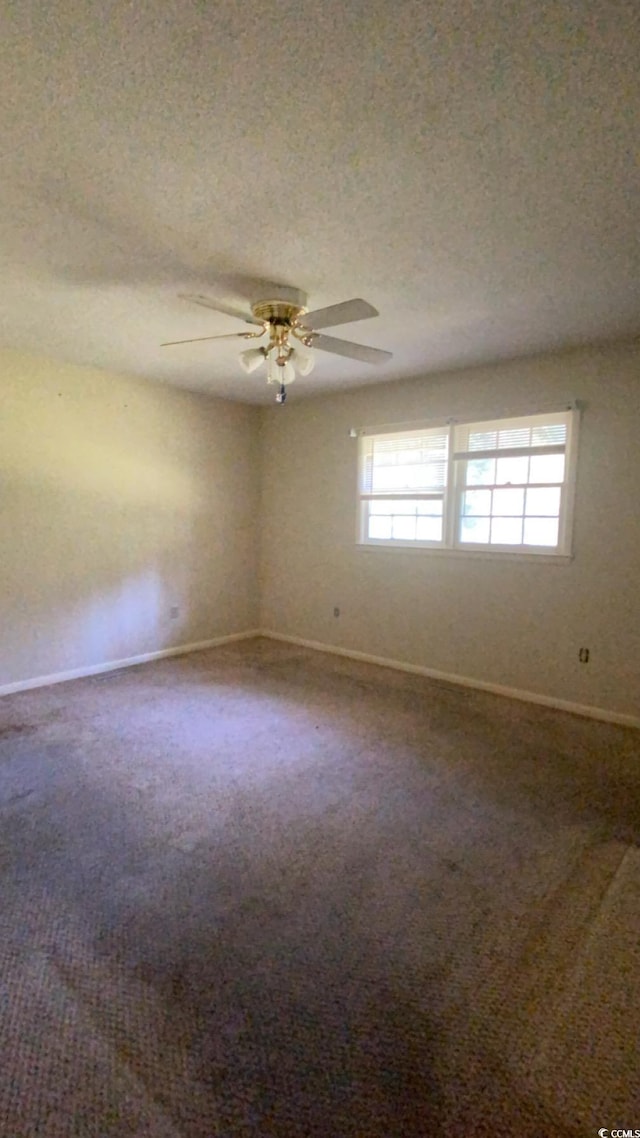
pixel 518 624
pixel 118 500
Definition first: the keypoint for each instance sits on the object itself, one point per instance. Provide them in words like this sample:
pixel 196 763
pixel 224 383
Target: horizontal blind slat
pixel 408 497
pixel 512 452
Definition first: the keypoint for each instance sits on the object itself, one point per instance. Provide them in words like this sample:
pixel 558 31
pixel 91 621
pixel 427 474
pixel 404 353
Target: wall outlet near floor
pixel 583 655
pixel 336 611
pixel 174 612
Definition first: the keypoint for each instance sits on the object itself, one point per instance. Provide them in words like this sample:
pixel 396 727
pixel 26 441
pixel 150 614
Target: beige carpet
pixel 263 891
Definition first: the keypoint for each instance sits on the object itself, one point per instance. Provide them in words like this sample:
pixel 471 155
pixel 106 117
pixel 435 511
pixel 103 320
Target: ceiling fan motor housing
pixel 279 312
pixel 281 316
pixel 282 294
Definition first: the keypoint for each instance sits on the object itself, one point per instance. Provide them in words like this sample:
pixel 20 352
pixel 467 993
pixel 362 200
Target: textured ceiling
pixel 470 169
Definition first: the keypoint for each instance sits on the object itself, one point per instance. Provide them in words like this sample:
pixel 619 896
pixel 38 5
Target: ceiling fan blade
pixel 199 339
pixel 352 351
pixel 345 313
pixel 218 307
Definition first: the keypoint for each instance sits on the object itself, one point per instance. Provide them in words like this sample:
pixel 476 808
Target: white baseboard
pixel 583 709
pixel 601 713
pixel 129 662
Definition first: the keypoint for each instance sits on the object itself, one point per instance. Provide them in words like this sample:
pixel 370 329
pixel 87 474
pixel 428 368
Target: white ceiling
pixel 471 169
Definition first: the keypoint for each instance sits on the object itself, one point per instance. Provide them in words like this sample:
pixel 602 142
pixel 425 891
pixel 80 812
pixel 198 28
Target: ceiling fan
pixel 288 330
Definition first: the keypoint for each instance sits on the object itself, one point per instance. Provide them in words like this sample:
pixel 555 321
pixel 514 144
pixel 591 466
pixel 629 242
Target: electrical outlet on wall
pixel 174 612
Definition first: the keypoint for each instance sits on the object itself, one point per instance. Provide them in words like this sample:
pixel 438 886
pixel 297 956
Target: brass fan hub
pixel 277 312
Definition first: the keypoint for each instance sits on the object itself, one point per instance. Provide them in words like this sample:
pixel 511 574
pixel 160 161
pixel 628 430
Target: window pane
pixel 546 501
pixel 477 502
pixel 509 502
pixel 430 509
pixel 403 529
pixel 481 471
pixel 405 508
pixel 546 468
pixel 379 528
pixel 474 529
pixel 429 529
pixel 541 531
pixel 512 470
pixel 506 531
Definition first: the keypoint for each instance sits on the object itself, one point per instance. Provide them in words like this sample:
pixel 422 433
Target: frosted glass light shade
pixel 251 359
pixel 304 361
pixel 273 371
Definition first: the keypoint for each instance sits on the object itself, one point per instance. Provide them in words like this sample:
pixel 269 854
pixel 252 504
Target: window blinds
pixel 413 464
pixel 543 434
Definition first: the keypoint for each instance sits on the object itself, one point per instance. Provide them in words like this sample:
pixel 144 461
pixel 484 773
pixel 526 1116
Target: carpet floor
pixel 264 891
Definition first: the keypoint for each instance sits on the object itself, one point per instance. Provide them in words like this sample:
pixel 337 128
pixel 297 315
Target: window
pixel 503 486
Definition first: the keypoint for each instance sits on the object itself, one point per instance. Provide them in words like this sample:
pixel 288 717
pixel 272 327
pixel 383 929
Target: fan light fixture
pixel 304 361
pixel 281 367
pixel 284 354
pixel 288 330
pixel 251 359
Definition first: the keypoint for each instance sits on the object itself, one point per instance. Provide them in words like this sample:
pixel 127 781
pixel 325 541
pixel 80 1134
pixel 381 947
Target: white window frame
pixel 455 483
pixel 408 433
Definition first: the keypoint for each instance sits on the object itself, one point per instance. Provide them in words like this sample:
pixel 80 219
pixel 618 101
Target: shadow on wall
pixel 121 500
pixel 89 577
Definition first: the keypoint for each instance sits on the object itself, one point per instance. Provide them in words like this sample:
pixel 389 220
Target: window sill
pixel 468 554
